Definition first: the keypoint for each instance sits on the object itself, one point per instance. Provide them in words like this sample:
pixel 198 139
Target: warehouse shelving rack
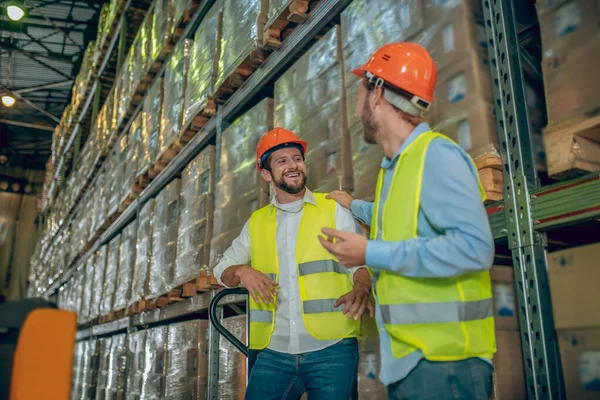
pixel 520 223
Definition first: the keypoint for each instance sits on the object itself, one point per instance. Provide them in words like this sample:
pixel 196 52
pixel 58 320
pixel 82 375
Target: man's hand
pixel 350 248
pixel 342 198
pixel 356 302
pixel 257 283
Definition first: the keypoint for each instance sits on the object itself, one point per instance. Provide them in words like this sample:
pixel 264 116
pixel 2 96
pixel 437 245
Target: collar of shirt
pixel 418 131
pixel 309 197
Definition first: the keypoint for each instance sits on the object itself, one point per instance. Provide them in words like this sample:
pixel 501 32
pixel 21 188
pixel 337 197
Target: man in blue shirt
pixel 436 337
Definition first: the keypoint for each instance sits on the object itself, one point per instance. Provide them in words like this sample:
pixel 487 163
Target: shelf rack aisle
pixel 521 222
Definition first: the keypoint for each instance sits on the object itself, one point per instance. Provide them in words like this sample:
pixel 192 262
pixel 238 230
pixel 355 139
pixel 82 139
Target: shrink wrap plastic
pixel 175 84
pixel 89 377
pixel 187 366
pixel 126 266
pixel 164 240
pixel 100 203
pixel 204 62
pixel 78 370
pixel 162 23
pixel 154 364
pixel 135 364
pixel 240 190
pixel 104 345
pixel 120 185
pixel 243 26
pixel 135 148
pixel 195 217
pixel 308 102
pixel 110 276
pixel 147 152
pixel 232 363
pixel 117 362
pixel 88 289
pixel 143 256
pixel 99 268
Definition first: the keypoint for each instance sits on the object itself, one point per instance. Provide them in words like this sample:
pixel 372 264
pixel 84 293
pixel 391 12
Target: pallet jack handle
pixel 214 320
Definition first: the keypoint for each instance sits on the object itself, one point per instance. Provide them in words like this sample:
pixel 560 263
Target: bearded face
pixel 288 170
pixel 365 113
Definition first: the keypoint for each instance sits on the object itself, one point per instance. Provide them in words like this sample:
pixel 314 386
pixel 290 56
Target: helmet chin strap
pixel 402 104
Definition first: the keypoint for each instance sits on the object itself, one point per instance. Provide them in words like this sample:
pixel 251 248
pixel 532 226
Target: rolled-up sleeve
pixel 451 203
pixel 237 254
pixel 345 222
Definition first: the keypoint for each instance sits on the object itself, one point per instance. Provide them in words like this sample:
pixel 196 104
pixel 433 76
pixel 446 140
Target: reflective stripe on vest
pixel 321 280
pixel 447 319
pixel 432 313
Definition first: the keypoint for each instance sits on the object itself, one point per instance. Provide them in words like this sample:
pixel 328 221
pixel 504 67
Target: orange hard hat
pixel 406 69
pixel 276 139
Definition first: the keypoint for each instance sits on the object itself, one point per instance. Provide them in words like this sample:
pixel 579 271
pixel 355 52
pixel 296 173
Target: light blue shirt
pixel 454 235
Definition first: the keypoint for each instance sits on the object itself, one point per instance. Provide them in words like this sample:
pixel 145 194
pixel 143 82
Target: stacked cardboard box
pixel 164 240
pixel 155 360
pixel 78 370
pixel 143 255
pixel 135 363
pixel 135 146
pixel 117 361
pixel 509 375
pixel 187 369
pixel 90 370
pixel 150 134
pixel 232 363
pixel 126 266
pixel 162 24
pixel 117 166
pixel 308 101
pixel 100 203
pixel 204 64
pixel 110 275
pixel 195 217
pixel 175 85
pixel 574 275
pixel 99 268
pixel 240 189
pixel 570 36
pixel 88 289
pixel 244 27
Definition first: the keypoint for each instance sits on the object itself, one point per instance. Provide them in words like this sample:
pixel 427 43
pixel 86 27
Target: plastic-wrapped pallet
pixel 241 189
pixel 175 84
pixel 135 363
pixel 119 180
pixel 154 363
pixel 134 143
pixel 244 28
pixel 99 268
pixel 89 377
pixel 164 240
pixel 143 256
pixel 104 345
pixel 204 63
pixel 110 275
pixel 78 369
pixel 126 266
pixel 195 217
pixel 232 363
pixel 308 101
pixel 187 367
pixel 117 361
pixel 88 289
pixel 152 108
pixel 100 203
pixel 161 27
pixel 141 59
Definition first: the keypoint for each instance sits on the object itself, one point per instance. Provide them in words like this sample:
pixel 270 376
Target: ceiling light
pixel 3 158
pixel 8 101
pixel 15 12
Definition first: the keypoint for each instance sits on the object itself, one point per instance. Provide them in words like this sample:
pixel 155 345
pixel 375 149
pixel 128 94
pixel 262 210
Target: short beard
pixel 370 127
pixel 281 184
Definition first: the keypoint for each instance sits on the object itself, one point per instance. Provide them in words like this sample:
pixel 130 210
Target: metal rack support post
pixel 541 357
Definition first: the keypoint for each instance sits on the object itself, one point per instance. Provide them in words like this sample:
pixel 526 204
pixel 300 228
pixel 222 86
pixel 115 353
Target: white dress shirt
pixel 290 334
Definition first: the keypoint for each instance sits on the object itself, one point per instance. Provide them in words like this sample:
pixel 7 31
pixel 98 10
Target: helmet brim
pixel 360 72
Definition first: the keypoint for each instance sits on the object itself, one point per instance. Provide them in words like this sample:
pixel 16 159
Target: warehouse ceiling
pixel 40 56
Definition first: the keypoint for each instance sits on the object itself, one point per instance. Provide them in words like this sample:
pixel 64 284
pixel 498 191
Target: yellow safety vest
pixel 448 319
pixel 321 279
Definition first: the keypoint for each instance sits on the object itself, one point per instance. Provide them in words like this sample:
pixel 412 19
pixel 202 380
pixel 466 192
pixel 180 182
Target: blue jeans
pixel 326 374
pixel 467 379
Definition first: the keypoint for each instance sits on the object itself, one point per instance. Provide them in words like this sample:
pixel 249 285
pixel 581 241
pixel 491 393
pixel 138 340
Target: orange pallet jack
pixel 37 342
pixel 250 354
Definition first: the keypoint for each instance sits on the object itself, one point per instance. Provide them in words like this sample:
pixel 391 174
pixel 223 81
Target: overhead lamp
pixel 15 12
pixel 8 100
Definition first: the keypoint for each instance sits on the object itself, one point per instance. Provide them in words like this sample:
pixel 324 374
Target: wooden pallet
pixel 295 13
pixel 137 307
pixel 236 79
pixel 489 167
pixel 170 153
pixel 200 284
pixel 573 146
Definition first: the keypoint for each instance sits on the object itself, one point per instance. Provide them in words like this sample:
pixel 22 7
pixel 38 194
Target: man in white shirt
pixel 305 307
